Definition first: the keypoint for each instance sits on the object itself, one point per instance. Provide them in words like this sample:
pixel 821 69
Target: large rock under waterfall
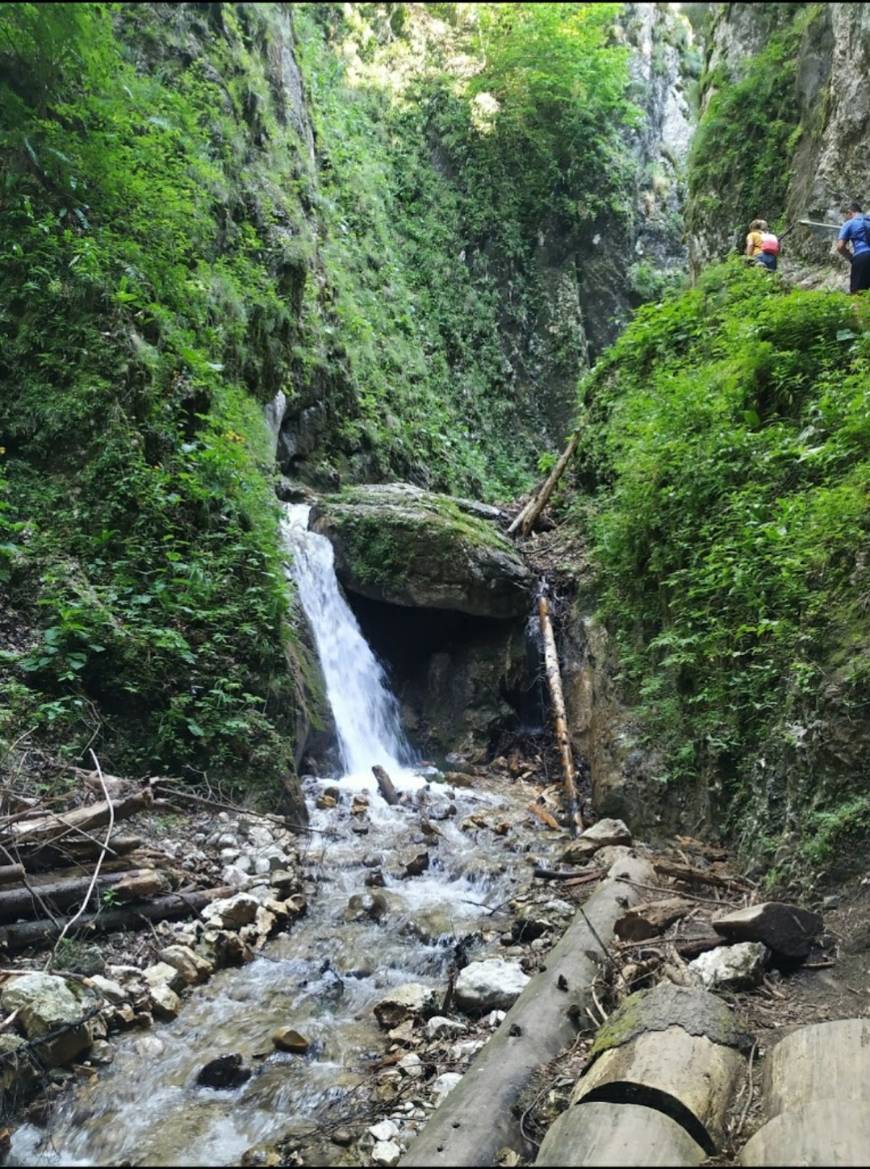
pixel 399 544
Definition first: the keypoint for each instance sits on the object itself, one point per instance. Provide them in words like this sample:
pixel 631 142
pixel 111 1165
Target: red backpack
pixel 769 243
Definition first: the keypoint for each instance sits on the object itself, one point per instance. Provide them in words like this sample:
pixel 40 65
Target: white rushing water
pixel 323 976
pixel 365 710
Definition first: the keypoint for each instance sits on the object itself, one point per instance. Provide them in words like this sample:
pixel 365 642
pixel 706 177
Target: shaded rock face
pixel 828 165
pixel 399 544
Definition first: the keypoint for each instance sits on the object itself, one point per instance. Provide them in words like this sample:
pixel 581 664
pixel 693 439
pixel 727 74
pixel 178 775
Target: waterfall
pixel 365 710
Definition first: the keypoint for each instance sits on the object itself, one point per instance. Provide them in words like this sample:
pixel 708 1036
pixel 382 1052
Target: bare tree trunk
pixel 560 721
pixel 80 819
pixel 524 522
pixel 66 890
pixel 388 790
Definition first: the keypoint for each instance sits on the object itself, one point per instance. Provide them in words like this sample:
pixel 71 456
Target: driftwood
pixel 68 890
pixel 11 873
pixel 541 1024
pixel 388 790
pixel 78 820
pixel 699 876
pixel 525 520
pixel 560 721
pixel 170 908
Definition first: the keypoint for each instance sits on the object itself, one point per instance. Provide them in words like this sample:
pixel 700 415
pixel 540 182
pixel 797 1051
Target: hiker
pixel 762 246
pixel 856 231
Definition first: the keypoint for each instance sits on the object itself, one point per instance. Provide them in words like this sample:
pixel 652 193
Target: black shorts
pixel 859 280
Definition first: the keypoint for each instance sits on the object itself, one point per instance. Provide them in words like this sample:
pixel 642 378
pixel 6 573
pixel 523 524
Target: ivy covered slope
pixel 726 446
pixel 204 205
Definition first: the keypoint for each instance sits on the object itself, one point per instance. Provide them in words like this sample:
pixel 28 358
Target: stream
pixel 324 976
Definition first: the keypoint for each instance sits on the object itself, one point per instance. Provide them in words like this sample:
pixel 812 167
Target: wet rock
pixel 730 966
pixel 45 1003
pixel 288 1039
pixel 324 802
pixel 225 1072
pixel 411 1000
pixel 283 883
pixel 101 1052
pixel 373 906
pixel 375 879
pixel 342 1137
pixel 415 863
pixel 493 984
pixel 385 1130
pixel 430 925
pixel 439 1026
pixel 231 913
pixel 403 1034
pixel 460 779
pixel 386 1153
pixel 444 1085
pixel 787 930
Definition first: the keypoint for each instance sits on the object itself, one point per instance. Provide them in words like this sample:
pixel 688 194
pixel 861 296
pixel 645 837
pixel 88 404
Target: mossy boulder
pixel 399 544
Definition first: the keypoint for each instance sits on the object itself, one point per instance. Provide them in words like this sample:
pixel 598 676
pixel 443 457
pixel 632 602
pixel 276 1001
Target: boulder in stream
pixel 289 1039
pixel 399 544
pixel 408 1001
pixel 225 1072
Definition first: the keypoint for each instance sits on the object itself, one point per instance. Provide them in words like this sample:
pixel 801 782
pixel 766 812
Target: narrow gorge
pixel 433 584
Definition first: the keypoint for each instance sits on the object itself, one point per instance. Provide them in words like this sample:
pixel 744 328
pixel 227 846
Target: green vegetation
pixel 728 447
pixel 188 227
pixel 743 148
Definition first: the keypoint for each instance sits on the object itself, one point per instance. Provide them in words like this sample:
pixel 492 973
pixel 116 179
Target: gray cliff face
pixel 829 158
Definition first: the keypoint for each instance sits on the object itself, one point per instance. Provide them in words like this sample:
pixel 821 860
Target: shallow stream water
pixel 325 975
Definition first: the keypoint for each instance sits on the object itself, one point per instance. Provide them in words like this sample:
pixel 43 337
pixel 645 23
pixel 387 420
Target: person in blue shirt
pixel 856 231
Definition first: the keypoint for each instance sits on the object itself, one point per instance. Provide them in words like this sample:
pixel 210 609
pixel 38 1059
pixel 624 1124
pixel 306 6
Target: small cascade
pixel 325 975
pixel 365 710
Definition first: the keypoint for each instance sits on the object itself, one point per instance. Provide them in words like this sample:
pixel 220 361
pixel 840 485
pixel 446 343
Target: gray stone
pixel 410 1000
pixel 163 974
pixel 492 984
pixel 231 913
pixel 386 1153
pixel 439 1026
pixel 785 929
pixel 384 1130
pixel 444 1085
pixel 192 967
pixel 736 966
pixel 46 1003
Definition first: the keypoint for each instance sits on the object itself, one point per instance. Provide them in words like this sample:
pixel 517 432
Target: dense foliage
pixel 728 444
pixel 743 147
pixel 188 225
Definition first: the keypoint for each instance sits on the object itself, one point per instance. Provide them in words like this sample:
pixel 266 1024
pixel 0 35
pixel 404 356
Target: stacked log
pixel 63 863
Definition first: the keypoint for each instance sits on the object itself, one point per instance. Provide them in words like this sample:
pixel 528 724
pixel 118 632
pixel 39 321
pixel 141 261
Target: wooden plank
pixel 617 1135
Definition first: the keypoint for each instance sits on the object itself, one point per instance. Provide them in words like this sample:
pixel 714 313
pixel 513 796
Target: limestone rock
pixel 411 1000
pixel 164 1002
pixel 385 1130
pixel 439 1026
pixel 44 1003
pixel 110 990
pixel 367 905
pixel 398 544
pixel 731 966
pixel 785 929
pixel 386 1153
pixel 493 984
pixel 163 974
pixel 231 913
pixel 444 1085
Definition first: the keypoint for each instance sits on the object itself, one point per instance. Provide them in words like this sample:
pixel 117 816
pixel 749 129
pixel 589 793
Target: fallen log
pixel 525 520
pixel 578 876
pixel 26 902
pixel 79 819
pixel 387 788
pixel 543 815
pixel 560 721
pixel 695 876
pixel 11 873
pixel 80 852
pixel 170 908
pixel 825 1132
pixel 542 1022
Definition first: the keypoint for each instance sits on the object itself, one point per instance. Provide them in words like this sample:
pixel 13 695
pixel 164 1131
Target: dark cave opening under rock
pixel 465 683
